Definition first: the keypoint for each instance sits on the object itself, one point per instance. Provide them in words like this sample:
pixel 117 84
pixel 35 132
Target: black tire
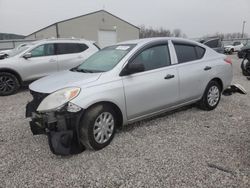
pixel 87 126
pixel 245 73
pixel 9 84
pixel 204 103
pixel 231 51
pixel 241 54
pixel 246 69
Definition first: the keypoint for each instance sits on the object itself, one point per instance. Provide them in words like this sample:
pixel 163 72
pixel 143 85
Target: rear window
pixel 70 48
pixel 186 52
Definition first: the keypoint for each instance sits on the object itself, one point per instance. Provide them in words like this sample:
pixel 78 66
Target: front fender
pixel 112 92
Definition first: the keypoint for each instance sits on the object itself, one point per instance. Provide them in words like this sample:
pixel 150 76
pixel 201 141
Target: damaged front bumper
pixel 61 127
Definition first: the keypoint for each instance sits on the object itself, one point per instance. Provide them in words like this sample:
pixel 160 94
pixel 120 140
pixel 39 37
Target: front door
pixel 153 89
pixel 42 62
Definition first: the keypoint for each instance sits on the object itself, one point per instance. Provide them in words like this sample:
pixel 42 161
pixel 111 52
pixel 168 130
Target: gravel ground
pixel 186 148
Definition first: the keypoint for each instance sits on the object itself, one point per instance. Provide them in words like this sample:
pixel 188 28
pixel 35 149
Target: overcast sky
pixel 194 17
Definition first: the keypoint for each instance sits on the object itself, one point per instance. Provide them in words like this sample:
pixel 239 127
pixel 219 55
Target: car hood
pixel 61 80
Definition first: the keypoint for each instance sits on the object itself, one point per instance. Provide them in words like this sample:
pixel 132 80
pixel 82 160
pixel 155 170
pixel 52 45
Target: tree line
pixel 231 36
pixel 147 32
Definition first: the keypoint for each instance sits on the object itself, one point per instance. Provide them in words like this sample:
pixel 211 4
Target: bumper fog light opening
pixel 73 108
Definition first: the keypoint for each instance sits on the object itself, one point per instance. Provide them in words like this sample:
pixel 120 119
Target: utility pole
pixel 243 28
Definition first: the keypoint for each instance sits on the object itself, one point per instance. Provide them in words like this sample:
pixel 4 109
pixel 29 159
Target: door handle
pixel 169 76
pixel 207 68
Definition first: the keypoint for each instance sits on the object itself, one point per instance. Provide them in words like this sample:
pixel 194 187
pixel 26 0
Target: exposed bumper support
pixel 235 88
pixel 62 129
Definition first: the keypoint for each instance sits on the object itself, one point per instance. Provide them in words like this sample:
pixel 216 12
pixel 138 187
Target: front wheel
pixel 9 84
pixel 98 126
pixel 211 96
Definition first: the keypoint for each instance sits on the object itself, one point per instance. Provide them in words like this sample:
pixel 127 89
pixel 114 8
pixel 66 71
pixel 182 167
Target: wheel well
pixel 117 111
pixel 14 73
pixel 218 80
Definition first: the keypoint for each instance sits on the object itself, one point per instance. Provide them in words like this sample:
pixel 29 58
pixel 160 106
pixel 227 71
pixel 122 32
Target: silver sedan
pixel 83 107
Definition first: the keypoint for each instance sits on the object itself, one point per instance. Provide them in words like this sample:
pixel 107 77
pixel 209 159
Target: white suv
pixel 41 58
pixel 235 47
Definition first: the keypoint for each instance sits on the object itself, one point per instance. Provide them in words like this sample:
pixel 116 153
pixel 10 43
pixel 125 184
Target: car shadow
pixel 142 123
pixel 23 89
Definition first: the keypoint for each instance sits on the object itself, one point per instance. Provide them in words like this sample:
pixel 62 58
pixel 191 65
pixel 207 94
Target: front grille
pixel 33 105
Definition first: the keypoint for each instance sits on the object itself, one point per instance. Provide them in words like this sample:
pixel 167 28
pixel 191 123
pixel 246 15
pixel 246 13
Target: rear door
pixel 154 89
pixel 192 69
pixel 70 55
pixel 43 62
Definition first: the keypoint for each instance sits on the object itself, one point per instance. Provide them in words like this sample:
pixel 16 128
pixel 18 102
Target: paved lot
pixel 187 148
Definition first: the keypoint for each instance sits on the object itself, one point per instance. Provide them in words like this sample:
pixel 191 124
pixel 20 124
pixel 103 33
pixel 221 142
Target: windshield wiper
pixel 84 70
pixel 76 69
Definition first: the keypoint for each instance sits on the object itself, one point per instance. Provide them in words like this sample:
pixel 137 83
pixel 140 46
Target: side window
pixel 38 51
pixel 70 48
pixel 236 43
pixel 83 47
pixel 43 50
pixel 200 52
pixel 153 58
pixel 185 52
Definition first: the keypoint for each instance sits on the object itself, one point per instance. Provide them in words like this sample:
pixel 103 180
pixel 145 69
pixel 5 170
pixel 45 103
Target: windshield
pixel 17 51
pixel 104 60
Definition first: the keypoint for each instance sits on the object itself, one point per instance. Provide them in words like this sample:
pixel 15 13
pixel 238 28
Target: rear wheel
pixel 9 84
pixel 98 126
pixel 211 96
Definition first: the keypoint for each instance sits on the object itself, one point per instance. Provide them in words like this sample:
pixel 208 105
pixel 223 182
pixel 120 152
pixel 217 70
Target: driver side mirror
pixel 132 68
pixel 27 55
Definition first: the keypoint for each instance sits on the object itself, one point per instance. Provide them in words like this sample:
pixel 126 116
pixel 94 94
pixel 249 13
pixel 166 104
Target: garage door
pixel 106 38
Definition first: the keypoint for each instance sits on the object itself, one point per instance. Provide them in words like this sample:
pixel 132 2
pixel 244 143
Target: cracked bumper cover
pixel 60 127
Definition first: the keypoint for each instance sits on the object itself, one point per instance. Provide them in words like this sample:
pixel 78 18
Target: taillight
pixel 228 60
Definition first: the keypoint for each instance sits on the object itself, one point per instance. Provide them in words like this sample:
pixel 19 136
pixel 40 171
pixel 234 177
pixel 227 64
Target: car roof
pixel 157 39
pixel 61 40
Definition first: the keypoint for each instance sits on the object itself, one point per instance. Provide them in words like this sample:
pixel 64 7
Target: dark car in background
pixel 214 43
pixel 242 52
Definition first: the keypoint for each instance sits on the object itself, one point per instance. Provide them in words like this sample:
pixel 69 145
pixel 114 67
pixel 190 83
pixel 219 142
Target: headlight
pixel 58 99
